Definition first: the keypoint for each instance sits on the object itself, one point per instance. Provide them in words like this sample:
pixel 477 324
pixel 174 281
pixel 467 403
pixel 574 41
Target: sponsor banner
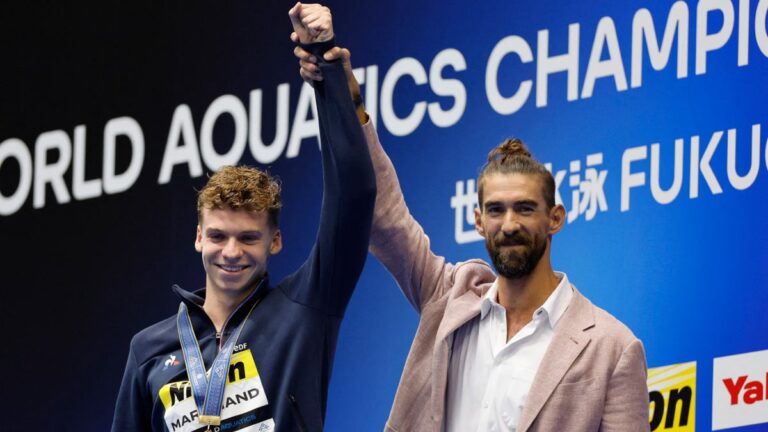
pixel 244 408
pixel 672 392
pixel 740 390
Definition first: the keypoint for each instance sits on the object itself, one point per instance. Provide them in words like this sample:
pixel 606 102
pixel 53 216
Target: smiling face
pixel 235 246
pixel 516 222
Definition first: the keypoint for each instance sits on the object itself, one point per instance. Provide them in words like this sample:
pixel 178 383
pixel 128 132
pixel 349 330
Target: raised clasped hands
pixel 312 23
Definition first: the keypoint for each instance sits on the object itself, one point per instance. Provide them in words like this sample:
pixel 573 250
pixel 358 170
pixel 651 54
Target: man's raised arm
pixel 397 240
pixel 349 186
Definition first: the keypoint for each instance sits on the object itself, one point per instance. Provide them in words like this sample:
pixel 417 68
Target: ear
pixel 479 222
pixel 556 218
pixel 277 243
pixel 199 239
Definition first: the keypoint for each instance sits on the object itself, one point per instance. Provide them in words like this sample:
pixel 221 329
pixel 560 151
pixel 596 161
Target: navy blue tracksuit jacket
pixel 285 353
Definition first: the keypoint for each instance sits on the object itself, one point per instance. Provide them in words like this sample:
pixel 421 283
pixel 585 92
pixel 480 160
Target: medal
pixel 208 392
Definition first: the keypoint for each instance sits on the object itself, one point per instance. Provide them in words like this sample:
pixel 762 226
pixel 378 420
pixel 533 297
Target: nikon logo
pixel 173 393
pixel 672 391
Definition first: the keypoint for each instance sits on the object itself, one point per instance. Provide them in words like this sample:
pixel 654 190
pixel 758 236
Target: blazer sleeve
pixel 626 400
pixel 398 241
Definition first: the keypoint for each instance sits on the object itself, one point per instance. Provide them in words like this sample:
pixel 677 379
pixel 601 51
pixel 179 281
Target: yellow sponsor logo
pixel 672 391
pixel 241 367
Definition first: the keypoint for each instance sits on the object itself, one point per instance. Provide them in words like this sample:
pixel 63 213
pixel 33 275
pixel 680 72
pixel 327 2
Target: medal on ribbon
pixel 208 391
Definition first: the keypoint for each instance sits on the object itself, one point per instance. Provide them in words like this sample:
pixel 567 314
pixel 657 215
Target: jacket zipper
pixel 297 413
pixel 220 334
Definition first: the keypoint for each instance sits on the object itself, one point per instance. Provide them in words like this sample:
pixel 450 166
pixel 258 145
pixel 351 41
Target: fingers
pixel 317 21
pixel 336 53
pixel 332 54
pixel 312 70
pixel 309 70
pixel 309 77
pixel 303 54
pixel 294 14
pixel 346 56
pixel 299 31
pixel 311 22
pixel 306 79
pixel 315 13
pixel 295 10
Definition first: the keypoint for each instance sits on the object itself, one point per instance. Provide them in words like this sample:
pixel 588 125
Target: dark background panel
pixel 80 278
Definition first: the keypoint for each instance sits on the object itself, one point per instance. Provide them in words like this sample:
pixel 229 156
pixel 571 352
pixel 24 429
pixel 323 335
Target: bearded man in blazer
pixel 517 350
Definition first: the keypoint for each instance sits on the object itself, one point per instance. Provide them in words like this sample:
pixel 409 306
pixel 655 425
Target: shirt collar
pixel 489 299
pixel 554 306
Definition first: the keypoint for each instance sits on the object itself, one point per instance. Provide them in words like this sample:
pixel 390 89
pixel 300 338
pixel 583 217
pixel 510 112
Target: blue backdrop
pixel 652 115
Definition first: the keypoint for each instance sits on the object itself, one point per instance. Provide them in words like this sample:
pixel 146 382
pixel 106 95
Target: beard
pixel 515 263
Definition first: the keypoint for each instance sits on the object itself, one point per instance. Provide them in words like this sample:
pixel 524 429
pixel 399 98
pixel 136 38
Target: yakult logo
pixel 745 391
pixel 740 390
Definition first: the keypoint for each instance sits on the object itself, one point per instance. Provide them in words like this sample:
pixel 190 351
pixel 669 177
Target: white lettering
pixel 447 87
pixel 15 148
pixel 613 66
pixel 402 126
pixel 114 183
pixel 743 32
pixel 740 182
pixel 761 35
pixel 546 65
pixel 53 173
pixel 643 29
pixel 464 203
pixel 701 164
pixel 81 188
pixel 629 179
pixel 512 104
pixel 660 195
pixel 706 42
pixel 231 105
pixel 182 128
pixel 303 126
pixel 268 153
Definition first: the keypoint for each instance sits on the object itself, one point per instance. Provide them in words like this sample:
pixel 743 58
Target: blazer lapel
pixel 568 341
pixel 458 312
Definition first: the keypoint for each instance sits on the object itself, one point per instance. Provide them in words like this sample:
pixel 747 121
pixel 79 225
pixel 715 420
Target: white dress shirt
pixel 488 377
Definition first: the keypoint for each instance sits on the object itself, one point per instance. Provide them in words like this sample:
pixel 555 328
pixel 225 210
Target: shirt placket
pixel 497 334
pixel 501 349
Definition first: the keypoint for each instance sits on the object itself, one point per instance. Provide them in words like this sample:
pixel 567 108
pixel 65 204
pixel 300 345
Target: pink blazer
pixel 592 377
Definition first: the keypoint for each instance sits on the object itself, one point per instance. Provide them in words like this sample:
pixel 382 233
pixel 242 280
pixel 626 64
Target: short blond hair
pixel 241 188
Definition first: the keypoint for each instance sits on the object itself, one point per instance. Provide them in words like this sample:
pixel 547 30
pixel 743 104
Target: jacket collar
pixel 457 313
pixel 195 299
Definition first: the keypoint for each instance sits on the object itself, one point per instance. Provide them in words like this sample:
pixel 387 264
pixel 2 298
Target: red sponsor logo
pixel 748 392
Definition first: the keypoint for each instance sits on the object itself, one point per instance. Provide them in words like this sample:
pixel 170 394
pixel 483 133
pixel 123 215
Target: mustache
pixel 514 239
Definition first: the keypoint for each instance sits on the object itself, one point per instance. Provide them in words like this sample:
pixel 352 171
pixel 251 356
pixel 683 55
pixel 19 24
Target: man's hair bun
pixel 511 148
pixel 513 157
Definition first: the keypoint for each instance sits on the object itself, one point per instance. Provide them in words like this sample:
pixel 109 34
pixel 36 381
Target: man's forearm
pixel 349 191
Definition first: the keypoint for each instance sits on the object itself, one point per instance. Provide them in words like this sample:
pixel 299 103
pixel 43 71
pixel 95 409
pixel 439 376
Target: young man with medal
pixel 242 354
